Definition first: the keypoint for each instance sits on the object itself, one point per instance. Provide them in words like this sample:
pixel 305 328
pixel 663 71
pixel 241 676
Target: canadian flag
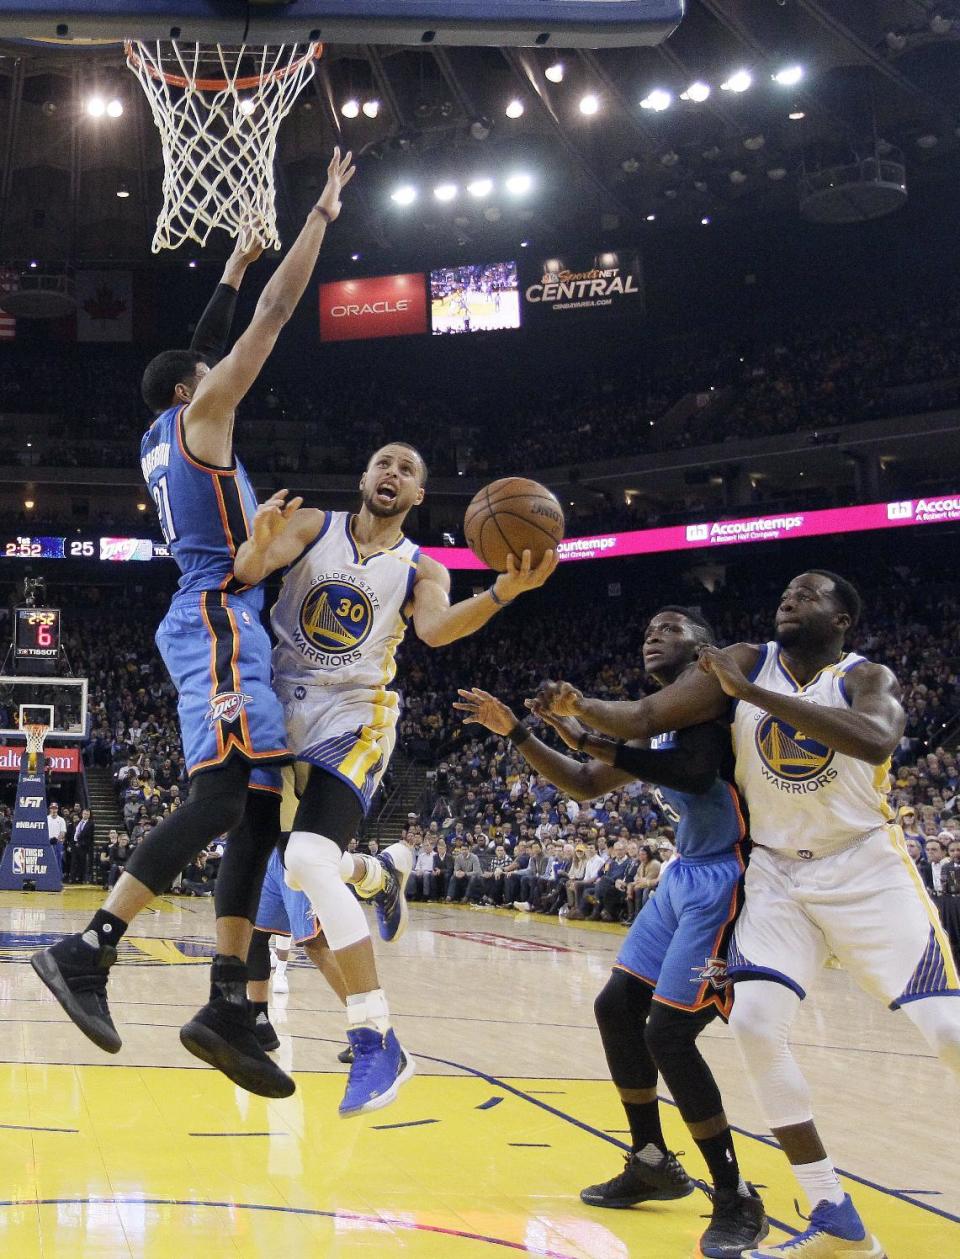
pixel 8 325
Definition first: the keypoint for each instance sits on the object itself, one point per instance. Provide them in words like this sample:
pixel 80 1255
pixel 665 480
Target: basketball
pixel 511 516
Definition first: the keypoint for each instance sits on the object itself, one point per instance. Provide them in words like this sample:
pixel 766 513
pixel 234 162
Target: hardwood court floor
pixel 511 1113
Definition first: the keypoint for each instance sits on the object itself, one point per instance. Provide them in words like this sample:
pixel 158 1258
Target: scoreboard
pixel 36 634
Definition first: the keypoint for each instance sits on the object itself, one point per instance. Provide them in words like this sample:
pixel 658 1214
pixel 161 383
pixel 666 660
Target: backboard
pixel 519 23
pixel 62 702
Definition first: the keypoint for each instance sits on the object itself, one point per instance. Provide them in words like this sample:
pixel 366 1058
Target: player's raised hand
pixel 562 699
pixel 483 709
pixel 339 173
pixel 520 578
pixel 568 728
pixel 272 518
pixel 722 663
pixel 247 249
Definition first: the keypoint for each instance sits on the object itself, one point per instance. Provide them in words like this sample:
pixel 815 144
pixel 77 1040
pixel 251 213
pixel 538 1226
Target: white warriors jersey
pixel 339 620
pixel 802 795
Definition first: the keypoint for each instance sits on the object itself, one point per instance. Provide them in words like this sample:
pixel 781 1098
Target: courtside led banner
pixel 380 306
pixel 811 524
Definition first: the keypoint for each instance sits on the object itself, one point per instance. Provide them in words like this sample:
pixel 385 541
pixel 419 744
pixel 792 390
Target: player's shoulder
pixel 429 569
pixel 861 674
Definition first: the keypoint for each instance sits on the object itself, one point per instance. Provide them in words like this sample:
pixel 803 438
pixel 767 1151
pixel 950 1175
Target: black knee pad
pixel 249 845
pixel 622 1001
pixel 671 1036
pixel 215 805
pixel 258 957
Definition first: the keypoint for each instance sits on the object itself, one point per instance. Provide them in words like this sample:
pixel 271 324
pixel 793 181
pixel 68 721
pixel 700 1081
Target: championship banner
pixel 607 283
pixel 104 306
pixel 29 857
pixel 382 306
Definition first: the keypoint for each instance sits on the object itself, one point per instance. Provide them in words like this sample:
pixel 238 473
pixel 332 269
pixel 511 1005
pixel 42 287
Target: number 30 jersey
pixel 205 512
pixel 338 620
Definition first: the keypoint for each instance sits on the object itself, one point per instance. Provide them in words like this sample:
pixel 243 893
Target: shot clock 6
pixel 36 634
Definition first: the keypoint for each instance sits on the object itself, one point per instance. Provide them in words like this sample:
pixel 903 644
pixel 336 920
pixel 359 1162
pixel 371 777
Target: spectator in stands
pixel 57 830
pixel 936 857
pixel 442 868
pixel 466 869
pixel 575 875
pixel 84 835
pixel 117 856
pixel 493 879
pixel 421 883
pixel 645 879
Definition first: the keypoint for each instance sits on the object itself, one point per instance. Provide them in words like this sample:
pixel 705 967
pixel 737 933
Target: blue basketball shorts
pixel 678 942
pixel 282 911
pixel 218 656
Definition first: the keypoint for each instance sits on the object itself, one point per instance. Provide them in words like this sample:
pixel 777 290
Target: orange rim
pixel 219 85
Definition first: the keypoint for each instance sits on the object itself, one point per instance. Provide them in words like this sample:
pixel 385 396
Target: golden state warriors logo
pixel 789 753
pixel 336 617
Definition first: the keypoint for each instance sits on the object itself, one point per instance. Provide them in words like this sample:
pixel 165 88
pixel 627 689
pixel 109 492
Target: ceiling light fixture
pixel 658 100
pixel 350 108
pixel 555 72
pixel 590 104
pixel 371 108
pixel 519 184
pixel 697 92
pixel 445 192
pixel 480 187
pixel 789 76
pixel 406 194
pixel 514 109
pixel 739 81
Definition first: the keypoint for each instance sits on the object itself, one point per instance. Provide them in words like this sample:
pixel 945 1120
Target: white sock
pixel 819 1181
pixel 369 1009
pixel 651 1155
pixel 282 965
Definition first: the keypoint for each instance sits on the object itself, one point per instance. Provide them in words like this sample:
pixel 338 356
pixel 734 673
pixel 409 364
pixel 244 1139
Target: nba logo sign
pixel 19 866
pixel 900 511
pixel 698 533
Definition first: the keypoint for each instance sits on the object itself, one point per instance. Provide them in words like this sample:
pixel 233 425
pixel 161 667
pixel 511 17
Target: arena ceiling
pixel 876 72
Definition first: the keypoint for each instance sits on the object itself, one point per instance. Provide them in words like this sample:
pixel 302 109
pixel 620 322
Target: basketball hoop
pixel 218 109
pixel 35 733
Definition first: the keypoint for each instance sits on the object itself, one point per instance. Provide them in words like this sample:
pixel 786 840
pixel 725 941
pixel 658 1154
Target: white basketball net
pixel 35 733
pixel 218 110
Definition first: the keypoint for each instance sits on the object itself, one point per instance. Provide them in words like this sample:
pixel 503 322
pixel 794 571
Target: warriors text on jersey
pixel 803 795
pixel 339 618
pixel 205 512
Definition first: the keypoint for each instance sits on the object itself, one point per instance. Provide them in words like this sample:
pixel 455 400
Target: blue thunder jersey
pixel 205 512
pixel 708 824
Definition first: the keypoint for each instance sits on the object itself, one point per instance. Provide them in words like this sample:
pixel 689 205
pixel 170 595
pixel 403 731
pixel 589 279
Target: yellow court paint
pixel 148 1154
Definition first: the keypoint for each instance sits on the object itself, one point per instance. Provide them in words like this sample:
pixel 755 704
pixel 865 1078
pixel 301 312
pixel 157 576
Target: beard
pixel 396 508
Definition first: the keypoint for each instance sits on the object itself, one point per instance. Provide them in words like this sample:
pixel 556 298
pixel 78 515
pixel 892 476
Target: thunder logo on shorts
pixel 788 753
pixel 336 617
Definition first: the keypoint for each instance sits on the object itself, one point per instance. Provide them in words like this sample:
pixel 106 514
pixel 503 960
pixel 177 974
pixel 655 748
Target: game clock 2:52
pixel 36 634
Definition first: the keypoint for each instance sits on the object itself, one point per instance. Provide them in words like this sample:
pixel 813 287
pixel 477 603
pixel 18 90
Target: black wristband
pixel 501 603
pixel 519 734
pixel 326 214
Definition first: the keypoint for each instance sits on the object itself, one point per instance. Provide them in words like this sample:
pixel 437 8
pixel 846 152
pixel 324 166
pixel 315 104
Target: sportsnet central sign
pixel 607 283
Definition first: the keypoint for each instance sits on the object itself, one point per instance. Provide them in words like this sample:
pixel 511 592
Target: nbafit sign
pixel 382 306
pixel 608 283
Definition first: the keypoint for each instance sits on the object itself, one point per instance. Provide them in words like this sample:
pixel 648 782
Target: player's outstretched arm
pixel 583 780
pixel 280 532
pixel 686 702
pixel 438 622
pixel 869 730
pixel 211 409
pixel 213 327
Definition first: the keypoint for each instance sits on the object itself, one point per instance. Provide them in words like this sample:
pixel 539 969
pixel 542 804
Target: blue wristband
pixel 501 603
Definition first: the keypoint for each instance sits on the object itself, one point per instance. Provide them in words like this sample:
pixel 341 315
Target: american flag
pixel 8 327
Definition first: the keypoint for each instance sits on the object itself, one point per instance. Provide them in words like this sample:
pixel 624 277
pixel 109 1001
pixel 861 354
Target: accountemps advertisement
pixel 811 524
pixel 379 306
pixel 609 282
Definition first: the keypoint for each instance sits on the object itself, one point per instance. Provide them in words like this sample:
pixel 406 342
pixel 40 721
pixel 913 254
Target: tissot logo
pixel 370 308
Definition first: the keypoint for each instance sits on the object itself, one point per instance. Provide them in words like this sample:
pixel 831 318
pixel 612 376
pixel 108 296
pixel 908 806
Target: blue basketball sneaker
pixel 391 901
pixel 836 1232
pixel 379 1068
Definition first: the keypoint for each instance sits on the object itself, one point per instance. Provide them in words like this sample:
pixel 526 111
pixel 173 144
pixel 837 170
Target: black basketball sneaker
pixel 738 1223
pixel 76 973
pixel 641 1182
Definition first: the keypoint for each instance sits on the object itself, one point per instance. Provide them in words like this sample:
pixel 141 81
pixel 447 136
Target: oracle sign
pixel 59 760
pixel 382 306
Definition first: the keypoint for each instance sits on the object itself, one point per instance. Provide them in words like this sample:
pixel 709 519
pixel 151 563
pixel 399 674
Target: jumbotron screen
pixel 482 297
